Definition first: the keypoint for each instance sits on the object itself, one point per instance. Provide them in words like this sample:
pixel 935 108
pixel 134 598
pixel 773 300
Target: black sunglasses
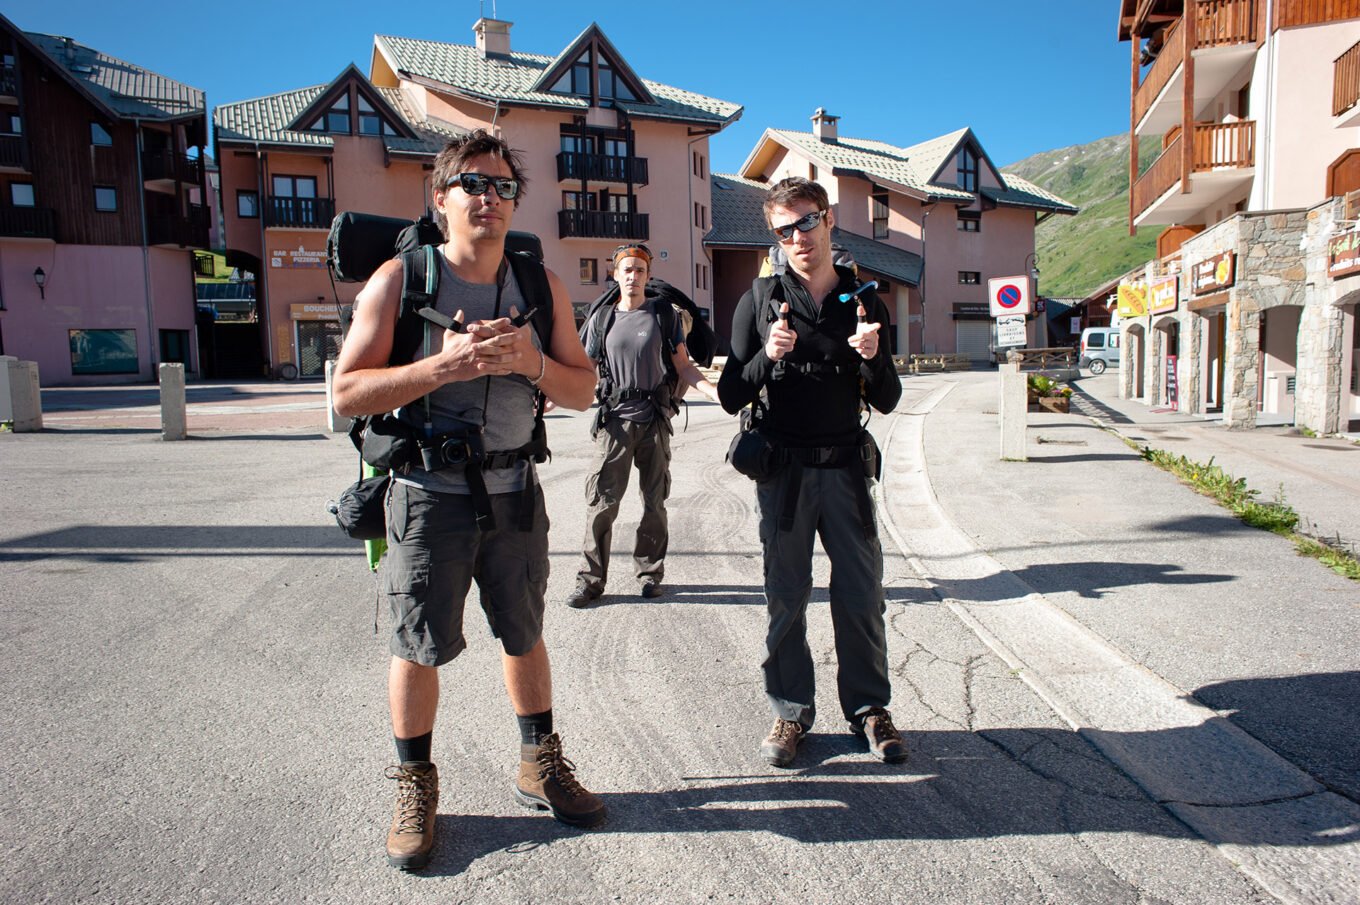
pixel 477 184
pixel 805 224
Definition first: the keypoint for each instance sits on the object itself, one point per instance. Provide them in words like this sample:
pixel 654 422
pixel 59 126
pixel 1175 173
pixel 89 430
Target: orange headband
pixel 632 251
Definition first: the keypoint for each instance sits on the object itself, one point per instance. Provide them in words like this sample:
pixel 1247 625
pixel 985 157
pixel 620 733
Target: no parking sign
pixel 1008 295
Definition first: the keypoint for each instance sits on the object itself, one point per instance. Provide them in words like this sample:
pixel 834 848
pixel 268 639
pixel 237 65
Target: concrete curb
pixel 1186 756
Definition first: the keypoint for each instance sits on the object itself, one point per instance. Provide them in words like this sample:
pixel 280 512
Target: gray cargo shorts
pixel 435 552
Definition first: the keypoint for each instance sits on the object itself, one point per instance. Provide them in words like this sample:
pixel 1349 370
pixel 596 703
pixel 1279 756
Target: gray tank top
pixel 505 405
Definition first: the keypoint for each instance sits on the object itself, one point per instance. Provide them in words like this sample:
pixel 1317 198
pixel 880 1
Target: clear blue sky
pixel 1026 76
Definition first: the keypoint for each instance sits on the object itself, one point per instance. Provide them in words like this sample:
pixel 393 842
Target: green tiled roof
pixel 266 120
pixel 913 167
pixel 123 88
pixel 510 78
pixel 739 220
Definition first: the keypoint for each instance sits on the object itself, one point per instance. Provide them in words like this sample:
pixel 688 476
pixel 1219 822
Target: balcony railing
pixel 28 222
pixel 1164 173
pixel 1215 146
pixel 1169 59
pixel 1220 23
pixel 1346 80
pixel 1224 145
pixel 601 168
pixel 11 151
pixel 601 225
pixel 165 164
pixel 9 81
pixel 172 229
pixel 299 213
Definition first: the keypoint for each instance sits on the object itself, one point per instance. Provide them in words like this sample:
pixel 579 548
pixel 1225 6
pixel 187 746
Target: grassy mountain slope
pixel 1077 254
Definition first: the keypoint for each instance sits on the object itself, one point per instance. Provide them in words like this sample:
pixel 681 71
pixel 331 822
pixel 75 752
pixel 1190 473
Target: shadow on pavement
pixel 957 784
pixel 1086 579
pixel 739 595
pixel 1084 457
pixel 1312 720
pixel 141 543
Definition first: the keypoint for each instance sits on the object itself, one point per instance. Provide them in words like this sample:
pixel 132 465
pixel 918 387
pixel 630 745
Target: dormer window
pixel 967 170
pixel 610 84
pixel 336 117
pixel 576 80
pixel 370 123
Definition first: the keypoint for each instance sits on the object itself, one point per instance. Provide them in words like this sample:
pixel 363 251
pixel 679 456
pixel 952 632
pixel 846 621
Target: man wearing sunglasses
pixel 471 387
pixel 640 372
pixel 810 362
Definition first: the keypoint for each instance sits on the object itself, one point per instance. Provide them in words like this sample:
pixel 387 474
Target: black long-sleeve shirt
pixel 817 408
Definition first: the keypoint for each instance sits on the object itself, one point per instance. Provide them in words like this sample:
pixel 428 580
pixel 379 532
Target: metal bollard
pixel 1012 404
pixel 174 418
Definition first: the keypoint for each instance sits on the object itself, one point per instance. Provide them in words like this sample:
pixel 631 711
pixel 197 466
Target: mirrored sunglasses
pixel 477 184
pixel 805 224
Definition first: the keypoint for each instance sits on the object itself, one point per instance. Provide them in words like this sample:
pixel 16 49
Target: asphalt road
pixel 195 710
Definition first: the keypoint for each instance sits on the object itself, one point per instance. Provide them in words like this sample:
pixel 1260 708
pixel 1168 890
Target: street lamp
pixel 40 278
pixel 1032 265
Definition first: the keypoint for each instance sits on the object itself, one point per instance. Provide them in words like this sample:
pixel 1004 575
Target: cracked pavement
pixel 207 720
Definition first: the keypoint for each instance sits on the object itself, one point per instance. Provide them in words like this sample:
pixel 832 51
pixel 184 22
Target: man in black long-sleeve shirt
pixel 815 358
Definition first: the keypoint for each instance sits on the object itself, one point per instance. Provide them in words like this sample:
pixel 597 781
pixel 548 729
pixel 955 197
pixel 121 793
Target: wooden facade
pixel 56 154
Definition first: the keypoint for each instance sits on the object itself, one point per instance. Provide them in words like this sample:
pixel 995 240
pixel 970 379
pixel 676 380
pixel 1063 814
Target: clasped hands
pixel 490 348
pixel 782 338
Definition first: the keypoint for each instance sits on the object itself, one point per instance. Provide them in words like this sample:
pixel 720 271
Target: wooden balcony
pixel 1222 23
pixel 12 152
pixel 1224 146
pixel 171 166
pixel 1159 178
pixel 1167 64
pixel 573 165
pixel 179 231
pixel 1215 148
pixel 299 213
pixel 601 225
pixel 1346 80
pixel 28 222
pixel 1215 25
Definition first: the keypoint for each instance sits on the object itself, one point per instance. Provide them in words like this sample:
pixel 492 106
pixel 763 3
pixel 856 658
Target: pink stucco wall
pixel 1300 141
pixel 92 287
pixel 999 249
pixel 363 182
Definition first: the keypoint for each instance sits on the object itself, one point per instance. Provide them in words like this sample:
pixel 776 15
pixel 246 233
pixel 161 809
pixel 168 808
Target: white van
pixel 1099 348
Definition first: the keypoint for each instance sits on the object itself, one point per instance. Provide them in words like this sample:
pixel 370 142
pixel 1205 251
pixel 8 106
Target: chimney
pixel 493 37
pixel 69 47
pixel 824 125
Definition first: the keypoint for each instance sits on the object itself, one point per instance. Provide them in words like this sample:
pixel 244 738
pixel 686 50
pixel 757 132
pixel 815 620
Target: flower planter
pixel 1054 404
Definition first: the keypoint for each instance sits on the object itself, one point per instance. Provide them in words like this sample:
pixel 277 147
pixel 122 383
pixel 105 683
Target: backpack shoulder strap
pixel 768 295
pixel 419 289
pixel 532 278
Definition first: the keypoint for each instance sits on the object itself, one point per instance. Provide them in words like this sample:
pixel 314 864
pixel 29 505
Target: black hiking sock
pixel 414 749
pixel 535 727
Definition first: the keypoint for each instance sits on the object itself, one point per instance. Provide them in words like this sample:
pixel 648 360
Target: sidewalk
pixel 246 405
pixel 1206 658
pixel 1319 477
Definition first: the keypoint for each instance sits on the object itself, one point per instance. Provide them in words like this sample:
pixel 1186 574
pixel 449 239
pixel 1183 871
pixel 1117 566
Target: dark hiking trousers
pixel 620 446
pixel 827 507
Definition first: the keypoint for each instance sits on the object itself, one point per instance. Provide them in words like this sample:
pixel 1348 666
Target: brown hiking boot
pixel 547 782
pixel 781 744
pixel 879 733
pixel 411 837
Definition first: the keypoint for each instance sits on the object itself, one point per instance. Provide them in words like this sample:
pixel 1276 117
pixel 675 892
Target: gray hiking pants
pixel 827 507
pixel 620 445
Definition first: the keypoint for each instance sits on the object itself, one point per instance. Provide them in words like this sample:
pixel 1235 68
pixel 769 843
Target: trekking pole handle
pixel 847 296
